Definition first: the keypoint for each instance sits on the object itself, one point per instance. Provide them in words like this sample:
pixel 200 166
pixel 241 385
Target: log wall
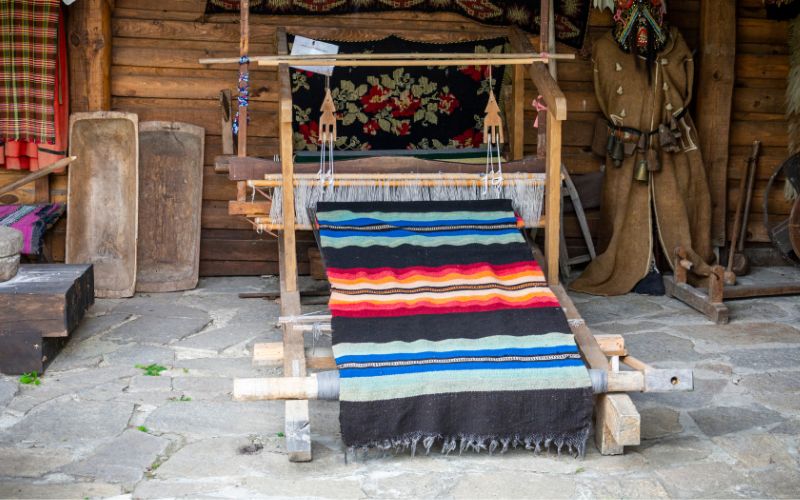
pixel 762 65
pixel 154 72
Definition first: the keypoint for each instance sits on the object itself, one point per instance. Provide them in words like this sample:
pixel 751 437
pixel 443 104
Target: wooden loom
pixel 617 420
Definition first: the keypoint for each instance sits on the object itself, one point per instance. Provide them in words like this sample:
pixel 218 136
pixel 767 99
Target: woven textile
pixel 32 221
pixel 571 16
pixel 27 69
pixel 399 108
pixel 444 331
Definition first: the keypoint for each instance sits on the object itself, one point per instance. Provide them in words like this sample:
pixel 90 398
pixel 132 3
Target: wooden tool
pixel 738 264
pixel 38 174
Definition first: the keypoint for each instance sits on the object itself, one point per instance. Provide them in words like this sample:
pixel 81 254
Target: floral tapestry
pixel 399 108
pixel 782 9
pixel 571 16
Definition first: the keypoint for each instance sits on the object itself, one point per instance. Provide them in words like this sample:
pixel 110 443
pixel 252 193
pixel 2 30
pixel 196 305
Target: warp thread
pixel 526 194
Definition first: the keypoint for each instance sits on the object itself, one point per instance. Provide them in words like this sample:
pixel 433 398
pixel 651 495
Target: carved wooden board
pixel 170 200
pixel 102 199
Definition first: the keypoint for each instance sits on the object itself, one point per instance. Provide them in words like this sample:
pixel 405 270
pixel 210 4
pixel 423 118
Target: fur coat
pixel 676 197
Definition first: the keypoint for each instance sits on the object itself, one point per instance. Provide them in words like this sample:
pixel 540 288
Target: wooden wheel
pixel 785 235
pixel 794 227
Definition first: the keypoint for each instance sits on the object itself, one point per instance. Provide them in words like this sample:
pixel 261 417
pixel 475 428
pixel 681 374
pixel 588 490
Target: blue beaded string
pixel 244 94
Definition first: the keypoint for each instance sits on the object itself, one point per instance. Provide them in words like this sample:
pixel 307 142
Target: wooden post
pixel 89 24
pixel 717 51
pixel 544 43
pixel 244 68
pixel 297 426
pixel 617 423
pixel 553 198
pixel 518 113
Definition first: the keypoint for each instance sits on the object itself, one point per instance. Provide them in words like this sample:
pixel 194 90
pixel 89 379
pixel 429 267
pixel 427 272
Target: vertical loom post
pixel 518 112
pixel 244 67
pixel 297 426
pixel 553 197
pixel 544 46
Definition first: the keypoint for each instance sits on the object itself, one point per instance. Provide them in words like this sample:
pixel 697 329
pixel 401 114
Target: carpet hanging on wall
pixel 399 108
pixel 445 332
pixel 34 97
pixel 571 16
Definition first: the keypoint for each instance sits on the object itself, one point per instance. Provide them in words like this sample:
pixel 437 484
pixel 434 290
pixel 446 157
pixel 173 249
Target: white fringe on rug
pixel 527 196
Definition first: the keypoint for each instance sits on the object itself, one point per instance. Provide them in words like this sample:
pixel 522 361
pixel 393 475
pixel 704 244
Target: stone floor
pixel 96 426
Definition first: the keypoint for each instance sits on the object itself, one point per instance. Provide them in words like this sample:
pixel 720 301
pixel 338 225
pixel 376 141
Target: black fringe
pixel 575 444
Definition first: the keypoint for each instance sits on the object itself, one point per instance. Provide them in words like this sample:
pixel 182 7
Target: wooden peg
pixel 715 284
pixel 682 264
pixel 327 121
pixel 492 123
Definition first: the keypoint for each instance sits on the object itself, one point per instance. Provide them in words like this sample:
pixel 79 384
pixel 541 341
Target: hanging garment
pixel 34 112
pixel 666 157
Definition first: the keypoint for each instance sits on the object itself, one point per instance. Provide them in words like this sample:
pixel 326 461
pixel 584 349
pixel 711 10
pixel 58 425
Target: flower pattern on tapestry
pixel 399 108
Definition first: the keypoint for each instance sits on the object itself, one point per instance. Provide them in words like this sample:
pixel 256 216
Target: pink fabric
pixel 32 221
pixel 539 105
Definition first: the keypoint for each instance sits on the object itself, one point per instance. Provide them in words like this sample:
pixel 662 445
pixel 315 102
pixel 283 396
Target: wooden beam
pixel 518 114
pixel 297 425
pixel 617 423
pixel 38 174
pixel 271 354
pixel 696 299
pixel 545 84
pixel 306 388
pixel 552 230
pixel 90 55
pixel 714 101
pixel 587 343
pixel 244 68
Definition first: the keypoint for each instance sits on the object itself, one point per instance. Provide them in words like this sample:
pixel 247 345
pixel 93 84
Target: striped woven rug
pixel 445 333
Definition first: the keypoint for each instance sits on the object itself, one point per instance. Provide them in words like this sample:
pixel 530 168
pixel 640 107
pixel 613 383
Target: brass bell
pixel 641 173
pixel 618 154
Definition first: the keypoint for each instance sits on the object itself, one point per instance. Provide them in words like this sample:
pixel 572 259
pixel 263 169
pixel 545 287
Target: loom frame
pixel 617 422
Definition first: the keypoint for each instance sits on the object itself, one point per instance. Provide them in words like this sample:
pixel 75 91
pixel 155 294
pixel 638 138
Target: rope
pixel 539 106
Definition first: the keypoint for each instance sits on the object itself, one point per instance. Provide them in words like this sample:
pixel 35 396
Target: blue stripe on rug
pixel 401 233
pixel 506 365
pixel 418 223
pixel 534 351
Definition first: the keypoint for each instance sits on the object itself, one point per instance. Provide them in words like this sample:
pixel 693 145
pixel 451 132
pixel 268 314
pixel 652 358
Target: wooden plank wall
pixel 156 44
pixel 762 65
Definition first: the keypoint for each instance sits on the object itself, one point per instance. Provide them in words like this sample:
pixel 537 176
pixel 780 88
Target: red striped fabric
pixel 28 50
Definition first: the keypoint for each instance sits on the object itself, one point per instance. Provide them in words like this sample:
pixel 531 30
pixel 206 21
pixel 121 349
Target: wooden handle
pixel 38 174
pixel 751 178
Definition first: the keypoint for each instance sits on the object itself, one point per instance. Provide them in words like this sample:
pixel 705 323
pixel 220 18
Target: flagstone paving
pixel 98 426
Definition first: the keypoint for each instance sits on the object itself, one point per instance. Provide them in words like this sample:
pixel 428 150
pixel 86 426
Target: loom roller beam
pixel 325 385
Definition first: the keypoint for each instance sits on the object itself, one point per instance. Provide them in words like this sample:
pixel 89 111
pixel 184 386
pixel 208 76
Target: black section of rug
pixel 511 411
pixel 571 16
